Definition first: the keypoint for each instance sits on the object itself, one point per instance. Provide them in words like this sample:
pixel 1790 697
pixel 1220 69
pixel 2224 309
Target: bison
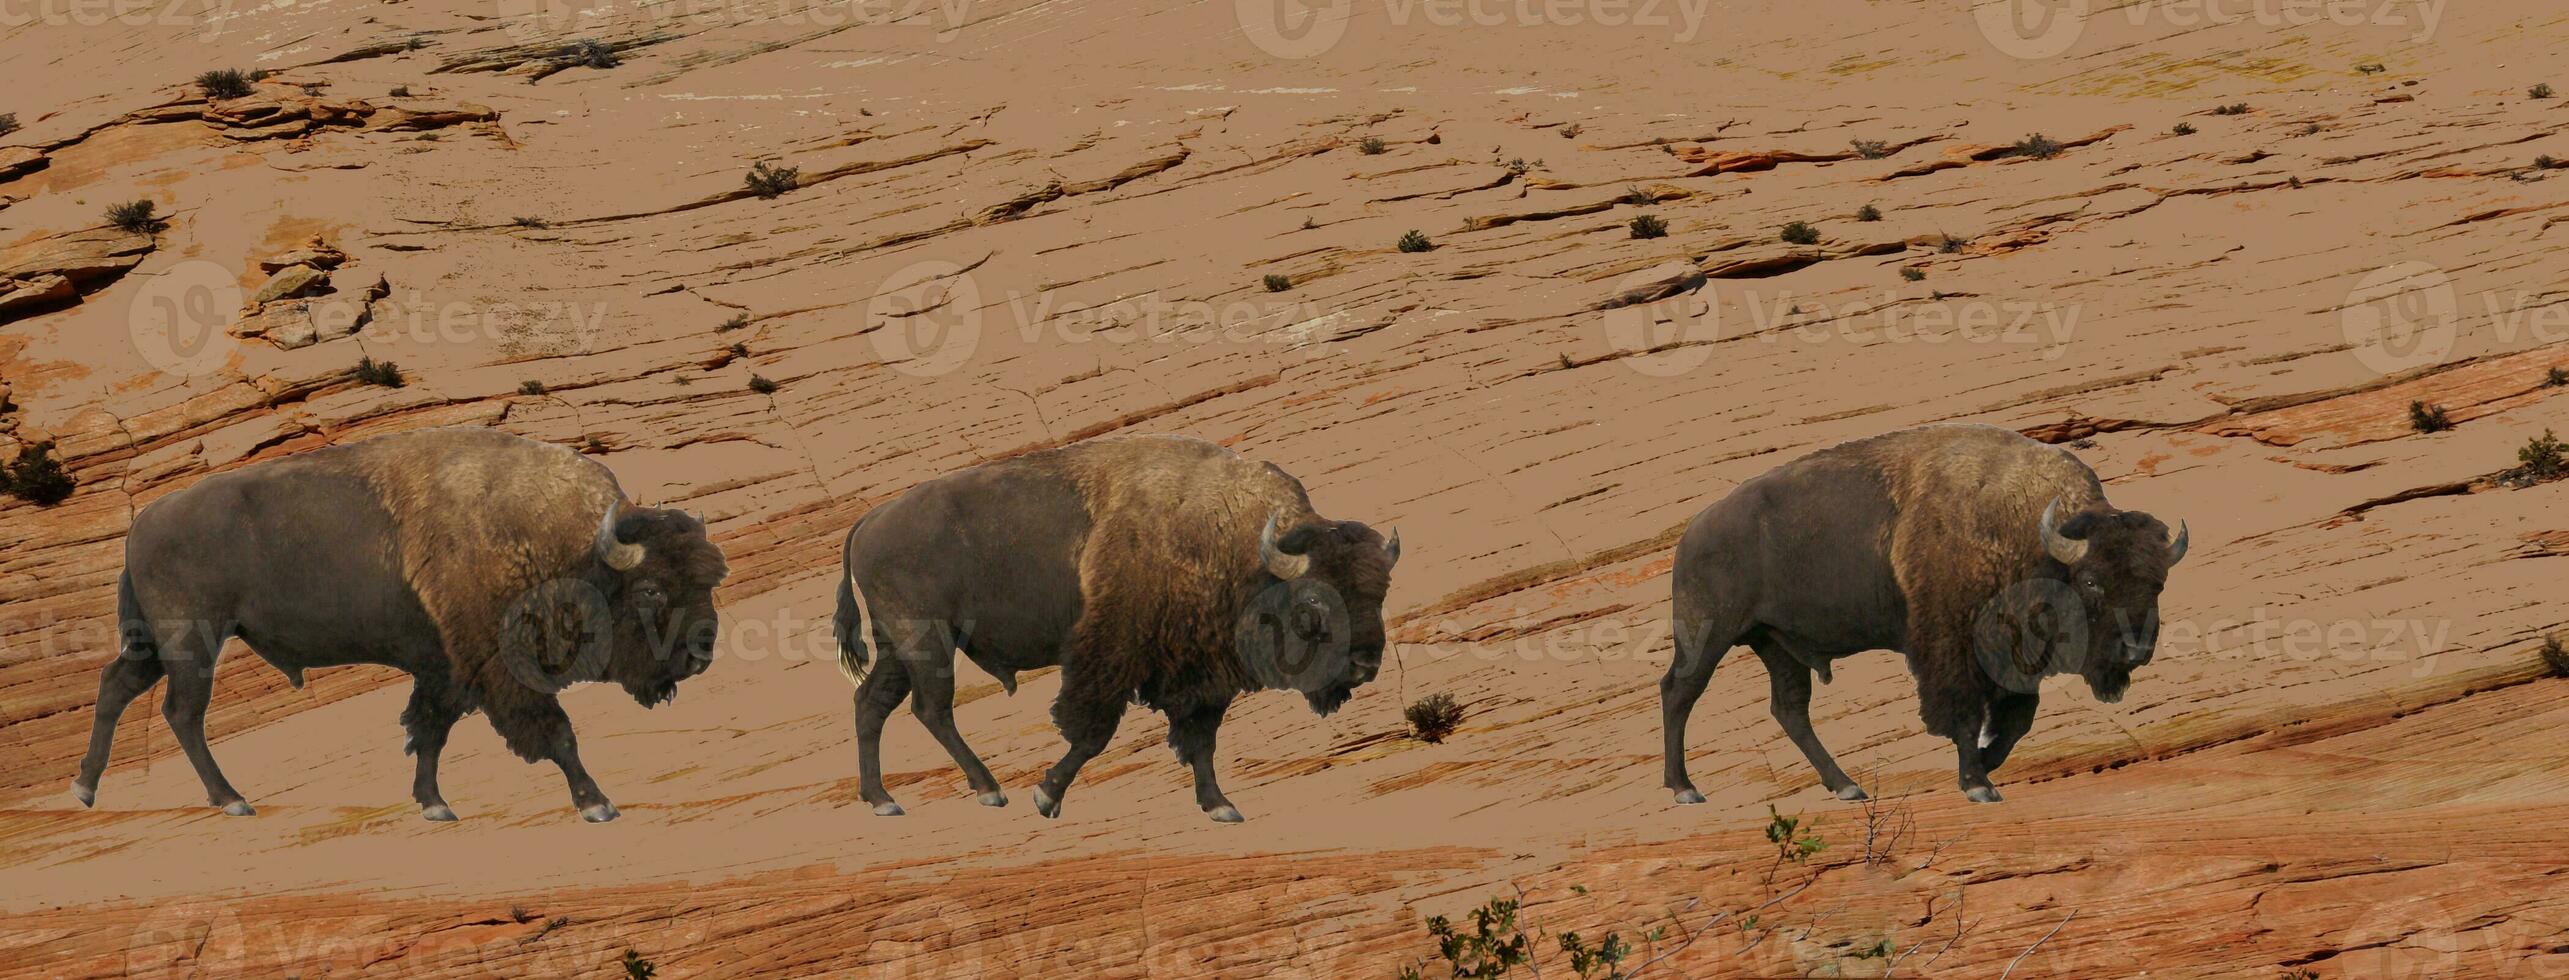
pixel 1159 570
pixel 494 570
pixel 1988 559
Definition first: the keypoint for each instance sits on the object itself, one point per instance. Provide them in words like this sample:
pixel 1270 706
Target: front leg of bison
pixel 537 730
pixel 1953 699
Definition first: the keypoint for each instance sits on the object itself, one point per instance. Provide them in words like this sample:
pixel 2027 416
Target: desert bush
pixel 384 374
pixel 530 387
pixel 2233 109
pixel 2541 91
pixel 735 322
pixel 399 92
pixel 8 123
pixel 1870 149
pixel 526 221
pixel 1414 240
pixel 587 52
pixel 1649 226
pixel 1572 131
pixel 1868 213
pixel 2542 458
pixel 1793 842
pixel 224 83
pixel 1950 244
pixel 637 968
pixel 737 350
pixel 2183 129
pixel 1372 146
pixel 1601 962
pixel 1636 196
pixel 2370 68
pixel 1912 273
pixel 772 182
pixel 1491 949
pixel 1278 283
pixel 2428 418
pixel 1800 233
pixel 2555 657
pixel 36 476
pixel 761 385
pixel 2038 146
pixel 140 216
pixel 2555 377
pixel 1433 717
pixel 2548 162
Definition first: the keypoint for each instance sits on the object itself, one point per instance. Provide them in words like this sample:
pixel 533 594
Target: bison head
pixel 657 571
pixel 2115 561
pixel 1319 628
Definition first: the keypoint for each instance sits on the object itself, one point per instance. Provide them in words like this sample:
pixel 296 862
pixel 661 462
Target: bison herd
pixel 1163 571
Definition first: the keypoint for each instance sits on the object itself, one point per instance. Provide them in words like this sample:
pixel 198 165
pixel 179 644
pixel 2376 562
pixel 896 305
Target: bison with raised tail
pixel 495 570
pixel 1988 559
pixel 1158 570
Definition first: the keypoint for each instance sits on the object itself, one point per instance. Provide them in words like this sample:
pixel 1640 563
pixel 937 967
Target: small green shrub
pixel 1868 213
pixel 2183 129
pixel 1870 149
pixel 384 374
pixel 772 182
pixel 1649 226
pixel 1636 197
pixel 2543 458
pixel 1912 273
pixel 1278 283
pixel 1793 842
pixel 1372 146
pixel 530 387
pixel 2038 146
pixel 1602 962
pixel 1800 233
pixel 1414 240
pixel 8 123
pixel 1949 244
pixel 400 92
pixel 761 385
pixel 1572 131
pixel 2548 162
pixel 1433 717
pixel 2428 418
pixel 2555 377
pixel 138 216
pixel 2370 68
pixel 524 221
pixel 1490 950
pixel 637 968
pixel 2555 657
pixel 36 476
pixel 224 83
pixel 2233 109
pixel 735 322
pixel 2541 91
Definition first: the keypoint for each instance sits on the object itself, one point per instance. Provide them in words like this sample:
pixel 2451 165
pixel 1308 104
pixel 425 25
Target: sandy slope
pixel 1017 220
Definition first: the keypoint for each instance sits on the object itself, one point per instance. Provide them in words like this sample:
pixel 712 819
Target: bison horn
pixel 2176 546
pixel 2065 550
pixel 1391 549
pixel 1279 564
pixel 613 550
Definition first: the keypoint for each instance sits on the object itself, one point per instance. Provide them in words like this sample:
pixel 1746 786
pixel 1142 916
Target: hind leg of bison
pixel 536 729
pixel 2011 715
pixel 882 691
pixel 125 678
pixel 431 715
pixel 1191 734
pixel 189 660
pixel 1699 649
pixel 1087 712
pixel 1789 698
pixel 932 699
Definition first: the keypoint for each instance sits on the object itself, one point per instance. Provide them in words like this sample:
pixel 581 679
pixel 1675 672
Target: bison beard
pixel 1154 570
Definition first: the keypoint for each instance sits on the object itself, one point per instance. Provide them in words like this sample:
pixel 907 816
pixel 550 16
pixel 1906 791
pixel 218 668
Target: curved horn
pixel 2063 550
pixel 1391 548
pixel 1279 564
pixel 613 550
pixel 2176 546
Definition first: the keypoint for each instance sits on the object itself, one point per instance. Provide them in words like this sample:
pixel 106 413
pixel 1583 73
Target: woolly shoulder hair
pixel 1970 500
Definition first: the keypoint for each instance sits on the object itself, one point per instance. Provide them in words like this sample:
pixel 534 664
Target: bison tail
pixel 855 629
pixel 134 631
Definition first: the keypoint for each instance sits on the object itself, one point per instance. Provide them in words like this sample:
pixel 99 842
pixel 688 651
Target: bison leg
pixel 1087 713
pixel 535 728
pixel 882 691
pixel 1191 734
pixel 189 661
pixel 932 699
pixel 430 716
pixel 2011 715
pixel 1957 707
pixel 1700 648
pixel 125 678
pixel 1789 698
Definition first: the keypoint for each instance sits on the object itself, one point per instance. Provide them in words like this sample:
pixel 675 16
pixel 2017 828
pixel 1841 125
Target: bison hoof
pixel 438 812
pixel 599 812
pixel 1850 791
pixel 1046 805
pixel 239 808
pixel 993 798
pixel 1981 794
pixel 1687 796
pixel 1226 813
pixel 887 808
pixel 87 795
